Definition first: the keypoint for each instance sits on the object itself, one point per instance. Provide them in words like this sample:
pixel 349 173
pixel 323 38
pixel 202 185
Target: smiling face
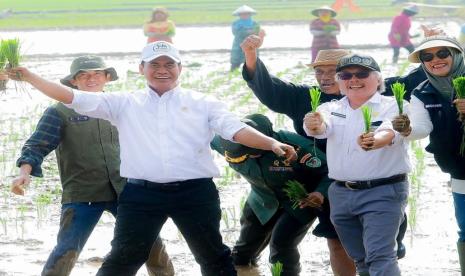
pixel 161 73
pixel 437 66
pixel 358 89
pixel 91 81
pixel 326 77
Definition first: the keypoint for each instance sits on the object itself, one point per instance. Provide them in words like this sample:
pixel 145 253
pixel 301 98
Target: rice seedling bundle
pixel 276 269
pixel 399 92
pixel 366 111
pixel 459 86
pixel 315 95
pixel 10 48
pixel 3 62
pixel 295 191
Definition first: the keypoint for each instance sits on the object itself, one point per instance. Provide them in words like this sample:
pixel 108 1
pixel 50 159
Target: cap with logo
pixel 88 63
pixel 358 60
pixel 160 49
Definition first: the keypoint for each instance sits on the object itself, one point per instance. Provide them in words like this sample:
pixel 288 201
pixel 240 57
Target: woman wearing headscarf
pixel 434 110
pixel 159 27
pixel 324 30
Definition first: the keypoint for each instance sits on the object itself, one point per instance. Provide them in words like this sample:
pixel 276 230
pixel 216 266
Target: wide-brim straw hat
pixel 316 11
pixel 244 9
pixel 328 57
pixel 434 41
pixel 161 10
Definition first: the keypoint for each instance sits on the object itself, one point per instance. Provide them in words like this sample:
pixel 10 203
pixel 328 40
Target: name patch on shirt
pixel 433 105
pixel 338 115
pixel 80 118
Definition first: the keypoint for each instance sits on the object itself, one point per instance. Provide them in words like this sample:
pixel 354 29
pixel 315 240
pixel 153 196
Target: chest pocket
pixel 338 122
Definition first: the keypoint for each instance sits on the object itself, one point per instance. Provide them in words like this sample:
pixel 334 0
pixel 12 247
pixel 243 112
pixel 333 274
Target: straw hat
pixel 434 41
pixel 328 57
pixel 316 11
pixel 161 10
pixel 244 9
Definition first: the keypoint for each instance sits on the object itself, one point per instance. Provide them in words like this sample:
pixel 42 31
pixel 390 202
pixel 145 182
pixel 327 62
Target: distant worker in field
pixel 242 28
pixel 399 35
pixel 159 27
pixel 324 30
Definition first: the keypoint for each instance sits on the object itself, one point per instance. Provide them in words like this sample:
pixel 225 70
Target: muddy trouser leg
pixel 286 236
pixel 253 238
pixel 159 263
pixel 197 215
pixel 138 222
pixel 76 224
pixel 400 237
pixel 395 56
pixel 410 48
pixel 459 204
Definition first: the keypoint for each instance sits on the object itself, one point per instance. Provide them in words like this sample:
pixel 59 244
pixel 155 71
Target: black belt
pixel 169 186
pixel 367 184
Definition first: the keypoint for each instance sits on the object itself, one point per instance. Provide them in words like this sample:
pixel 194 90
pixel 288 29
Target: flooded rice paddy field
pixel 28 225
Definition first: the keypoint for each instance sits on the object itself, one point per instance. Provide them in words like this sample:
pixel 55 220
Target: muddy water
pixel 28 231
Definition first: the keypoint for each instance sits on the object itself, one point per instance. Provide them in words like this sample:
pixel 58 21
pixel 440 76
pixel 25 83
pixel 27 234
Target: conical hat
pixel 244 9
pixel 324 8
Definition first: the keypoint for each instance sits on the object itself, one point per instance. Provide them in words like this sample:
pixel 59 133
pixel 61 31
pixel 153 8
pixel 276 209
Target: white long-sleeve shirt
pixel 162 138
pixel 347 161
pixel 420 120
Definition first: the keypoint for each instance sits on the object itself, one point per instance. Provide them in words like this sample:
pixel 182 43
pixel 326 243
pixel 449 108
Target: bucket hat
pixel 244 9
pixel 316 11
pixel 87 63
pixel 358 60
pixel 434 41
pixel 328 57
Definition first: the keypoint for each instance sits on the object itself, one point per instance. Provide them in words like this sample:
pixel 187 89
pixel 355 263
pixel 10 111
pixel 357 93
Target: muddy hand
pixel 367 141
pixel 251 43
pixel 313 200
pixel 401 124
pixel 19 74
pixel 287 151
pixel 313 121
pixel 17 187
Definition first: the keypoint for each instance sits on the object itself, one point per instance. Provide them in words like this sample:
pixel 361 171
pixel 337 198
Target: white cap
pixel 159 49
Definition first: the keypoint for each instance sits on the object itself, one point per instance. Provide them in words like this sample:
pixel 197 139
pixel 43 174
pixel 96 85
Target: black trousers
pixel 194 207
pixel 283 233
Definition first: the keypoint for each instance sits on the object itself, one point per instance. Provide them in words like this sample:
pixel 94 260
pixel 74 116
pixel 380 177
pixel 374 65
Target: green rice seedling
pixel 399 92
pixel 276 269
pixel 295 191
pixel 10 48
pixel 459 86
pixel 3 62
pixel 366 111
pixel 315 95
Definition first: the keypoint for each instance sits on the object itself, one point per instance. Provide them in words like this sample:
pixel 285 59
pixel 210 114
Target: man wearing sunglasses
pixel 370 191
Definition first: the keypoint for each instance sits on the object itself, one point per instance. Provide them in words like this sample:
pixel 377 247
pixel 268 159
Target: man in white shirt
pixel 369 194
pixel 165 133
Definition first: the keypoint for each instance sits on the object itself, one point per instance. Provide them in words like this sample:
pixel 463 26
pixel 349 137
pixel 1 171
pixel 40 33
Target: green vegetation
pixel 315 95
pixel 366 111
pixel 295 191
pixel 27 14
pixel 459 86
pixel 399 92
pixel 276 269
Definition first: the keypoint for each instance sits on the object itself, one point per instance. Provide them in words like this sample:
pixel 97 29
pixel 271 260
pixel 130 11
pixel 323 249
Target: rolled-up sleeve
pixel 222 121
pixel 419 120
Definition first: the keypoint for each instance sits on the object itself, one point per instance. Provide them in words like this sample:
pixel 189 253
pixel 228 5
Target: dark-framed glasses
pixel 441 54
pixel 348 75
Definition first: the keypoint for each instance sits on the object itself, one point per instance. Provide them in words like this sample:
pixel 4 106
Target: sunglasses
pixel 359 75
pixel 441 54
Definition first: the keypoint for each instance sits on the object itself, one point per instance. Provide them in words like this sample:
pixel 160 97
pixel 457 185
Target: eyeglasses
pixel 359 75
pixel 441 54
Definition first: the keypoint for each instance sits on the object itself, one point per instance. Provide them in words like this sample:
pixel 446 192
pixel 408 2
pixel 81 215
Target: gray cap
pixel 358 60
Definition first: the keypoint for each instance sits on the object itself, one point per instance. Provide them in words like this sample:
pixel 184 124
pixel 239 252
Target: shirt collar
pixel 153 94
pixel 375 99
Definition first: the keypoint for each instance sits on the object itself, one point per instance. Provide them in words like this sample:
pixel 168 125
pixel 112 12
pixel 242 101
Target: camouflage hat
pixel 87 63
pixel 358 60
pixel 237 153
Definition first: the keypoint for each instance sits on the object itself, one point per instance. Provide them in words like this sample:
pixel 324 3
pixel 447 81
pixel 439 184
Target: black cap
pixel 358 60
